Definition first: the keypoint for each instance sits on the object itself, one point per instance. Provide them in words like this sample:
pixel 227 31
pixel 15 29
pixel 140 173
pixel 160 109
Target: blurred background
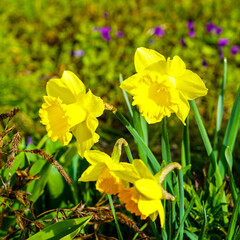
pixel 39 39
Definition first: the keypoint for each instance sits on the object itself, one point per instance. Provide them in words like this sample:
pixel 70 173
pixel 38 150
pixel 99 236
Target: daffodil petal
pixel 93 104
pixel 175 67
pixel 183 108
pixel 148 188
pixel 85 134
pixel 54 115
pixel 75 85
pixel 130 83
pixel 96 156
pixel 127 173
pixel 108 183
pixel 145 57
pixel 142 169
pixel 146 206
pixel 76 113
pixel 191 85
pixel 92 173
pixel 161 213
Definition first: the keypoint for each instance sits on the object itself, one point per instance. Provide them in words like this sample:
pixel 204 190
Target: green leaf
pixel 202 233
pixel 233 221
pixel 230 135
pixel 220 109
pixel 64 230
pixel 37 187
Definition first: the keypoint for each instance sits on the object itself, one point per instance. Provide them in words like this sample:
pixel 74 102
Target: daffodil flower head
pixel 161 87
pixel 102 170
pixel 69 109
pixel 144 198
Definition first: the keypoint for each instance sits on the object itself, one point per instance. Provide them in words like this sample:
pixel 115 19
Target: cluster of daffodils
pixel 136 186
pixel 160 87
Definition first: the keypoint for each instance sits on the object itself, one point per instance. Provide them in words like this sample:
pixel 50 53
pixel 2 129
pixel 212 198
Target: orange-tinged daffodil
pixel 102 170
pixel 144 198
pixel 69 109
pixel 161 87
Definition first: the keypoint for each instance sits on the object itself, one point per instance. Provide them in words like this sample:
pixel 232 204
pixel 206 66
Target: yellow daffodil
pixel 100 170
pixel 144 198
pixel 69 109
pixel 161 87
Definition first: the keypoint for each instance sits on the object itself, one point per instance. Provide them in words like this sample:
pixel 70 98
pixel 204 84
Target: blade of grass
pixel 137 125
pixel 202 233
pixel 230 135
pixel 126 98
pixel 220 110
pixel 233 220
pixel 186 143
pixel 115 217
pixel 155 230
pixel 166 153
pixel 141 229
pixel 129 154
pixel 213 168
pixel 155 166
pixel 144 125
pixel 181 198
pixel 185 217
pixel 233 188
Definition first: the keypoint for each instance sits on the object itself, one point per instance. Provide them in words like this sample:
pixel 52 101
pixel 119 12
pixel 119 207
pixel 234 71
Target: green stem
pixel 155 166
pixel 115 217
pixel 213 168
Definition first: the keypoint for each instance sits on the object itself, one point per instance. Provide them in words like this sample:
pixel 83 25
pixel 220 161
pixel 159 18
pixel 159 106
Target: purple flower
pixel 95 29
pixel 218 30
pixel 191 33
pixel 182 41
pixel 220 52
pixel 105 32
pixel 223 42
pixel 77 53
pixel 211 28
pixel 119 34
pixel 29 141
pixel 234 50
pixel 151 41
pixel 158 31
pixel 190 25
pixel 106 15
pixel 204 63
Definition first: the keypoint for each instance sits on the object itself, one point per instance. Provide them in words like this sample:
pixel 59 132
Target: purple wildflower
pixel 105 31
pixel 119 34
pixel 234 50
pixel 77 53
pixel 220 52
pixel 29 141
pixel 182 41
pixel 95 29
pixel 106 15
pixel 223 42
pixel 211 28
pixel 158 31
pixel 151 41
pixel 204 63
pixel 190 25
pixel 191 33
pixel 218 30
